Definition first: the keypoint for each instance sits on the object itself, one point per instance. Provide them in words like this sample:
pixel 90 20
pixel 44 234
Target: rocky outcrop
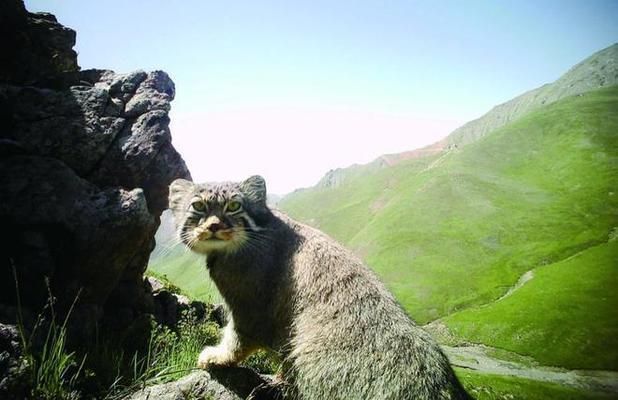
pixel 85 160
pixel 233 383
pixel 36 49
pixel 14 374
pixel 169 307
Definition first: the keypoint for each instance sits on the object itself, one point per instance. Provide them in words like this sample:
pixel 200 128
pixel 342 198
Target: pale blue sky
pixel 294 88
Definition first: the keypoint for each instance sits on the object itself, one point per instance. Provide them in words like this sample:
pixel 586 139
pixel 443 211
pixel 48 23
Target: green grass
pixel 55 371
pixel 461 233
pixel 454 232
pixel 188 272
pixel 564 316
pixel 496 387
pixel 168 356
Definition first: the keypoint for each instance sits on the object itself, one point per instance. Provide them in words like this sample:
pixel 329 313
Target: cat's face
pixel 217 216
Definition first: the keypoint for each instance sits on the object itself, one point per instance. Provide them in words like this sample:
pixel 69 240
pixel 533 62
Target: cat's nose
pixel 213 224
pixel 214 227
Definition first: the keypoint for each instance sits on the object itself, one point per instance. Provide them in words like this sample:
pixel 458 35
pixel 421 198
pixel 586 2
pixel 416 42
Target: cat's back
pixel 350 338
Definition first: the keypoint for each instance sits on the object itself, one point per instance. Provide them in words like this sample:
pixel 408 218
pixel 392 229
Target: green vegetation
pixel 264 362
pixel 167 284
pixel 496 387
pixel 54 370
pixel 103 370
pixel 454 231
pixel 186 271
pixel 561 317
pixel 173 354
pixel 168 356
pixel 459 232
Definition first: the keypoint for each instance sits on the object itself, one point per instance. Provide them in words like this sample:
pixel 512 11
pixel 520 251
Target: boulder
pixel 86 160
pixel 233 383
pixel 14 372
pixel 169 307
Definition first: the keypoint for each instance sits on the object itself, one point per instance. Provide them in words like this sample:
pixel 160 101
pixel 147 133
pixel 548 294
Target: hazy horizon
pixel 292 90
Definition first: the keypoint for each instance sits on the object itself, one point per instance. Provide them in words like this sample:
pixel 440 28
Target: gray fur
pixel 292 289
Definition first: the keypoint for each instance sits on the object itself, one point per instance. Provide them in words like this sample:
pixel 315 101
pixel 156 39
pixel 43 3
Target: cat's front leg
pixel 230 351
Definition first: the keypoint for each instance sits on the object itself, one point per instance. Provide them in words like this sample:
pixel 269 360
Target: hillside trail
pixel 476 358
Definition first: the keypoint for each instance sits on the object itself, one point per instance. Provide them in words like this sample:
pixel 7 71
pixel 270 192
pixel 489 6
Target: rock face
pixel 36 49
pixel 85 162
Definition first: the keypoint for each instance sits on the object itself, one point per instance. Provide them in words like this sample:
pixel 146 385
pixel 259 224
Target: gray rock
pixel 104 229
pixel 71 125
pixel 14 372
pixel 86 162
pixel 36 49
pixel 155 284
pixel 233 383
pixel 169 307
pixel 123 86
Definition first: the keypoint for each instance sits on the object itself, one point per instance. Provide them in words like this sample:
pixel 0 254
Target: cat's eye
pixel 198 205
pixel 233 206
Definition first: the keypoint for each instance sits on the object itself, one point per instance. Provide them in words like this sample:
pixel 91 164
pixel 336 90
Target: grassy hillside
pixel 496 387
pixel 457 230
pixel 564 316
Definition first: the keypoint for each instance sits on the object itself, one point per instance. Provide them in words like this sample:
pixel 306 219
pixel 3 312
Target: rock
pixel 36 49
pixel 51 213
pixel 71 125
pixel 232 383
pixel 169 307
pixel 113 133
pixel 86 162
pixel 14 372
pixel 155 284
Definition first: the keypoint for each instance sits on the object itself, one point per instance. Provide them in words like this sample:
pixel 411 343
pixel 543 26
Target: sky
pixel 292 89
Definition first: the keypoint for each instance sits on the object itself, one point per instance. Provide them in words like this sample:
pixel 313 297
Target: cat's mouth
pixel 227 234
pixel 206 241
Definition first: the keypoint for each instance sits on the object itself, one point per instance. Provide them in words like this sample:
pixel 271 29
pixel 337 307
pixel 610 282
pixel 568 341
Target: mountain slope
pixel 597 71
pixel 456 230
pixel 562 316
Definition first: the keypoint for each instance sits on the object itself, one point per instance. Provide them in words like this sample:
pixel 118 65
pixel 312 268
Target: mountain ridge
pixel 594 72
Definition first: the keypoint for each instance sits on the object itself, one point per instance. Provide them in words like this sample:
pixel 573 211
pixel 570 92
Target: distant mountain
pixel 597 71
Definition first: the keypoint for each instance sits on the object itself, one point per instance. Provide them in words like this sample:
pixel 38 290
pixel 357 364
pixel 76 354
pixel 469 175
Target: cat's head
pixel 218 217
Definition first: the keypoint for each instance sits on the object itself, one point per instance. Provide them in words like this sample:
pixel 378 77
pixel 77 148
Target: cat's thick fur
pixel 292 289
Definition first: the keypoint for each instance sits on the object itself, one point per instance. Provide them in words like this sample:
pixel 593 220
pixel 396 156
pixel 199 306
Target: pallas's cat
pixel 292 289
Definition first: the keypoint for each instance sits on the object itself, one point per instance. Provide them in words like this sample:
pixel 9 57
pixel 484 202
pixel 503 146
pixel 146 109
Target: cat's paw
pixel 214 356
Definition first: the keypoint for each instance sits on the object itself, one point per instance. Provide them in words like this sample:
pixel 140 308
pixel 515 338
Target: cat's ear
pixel 255 188
pixel 178 191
